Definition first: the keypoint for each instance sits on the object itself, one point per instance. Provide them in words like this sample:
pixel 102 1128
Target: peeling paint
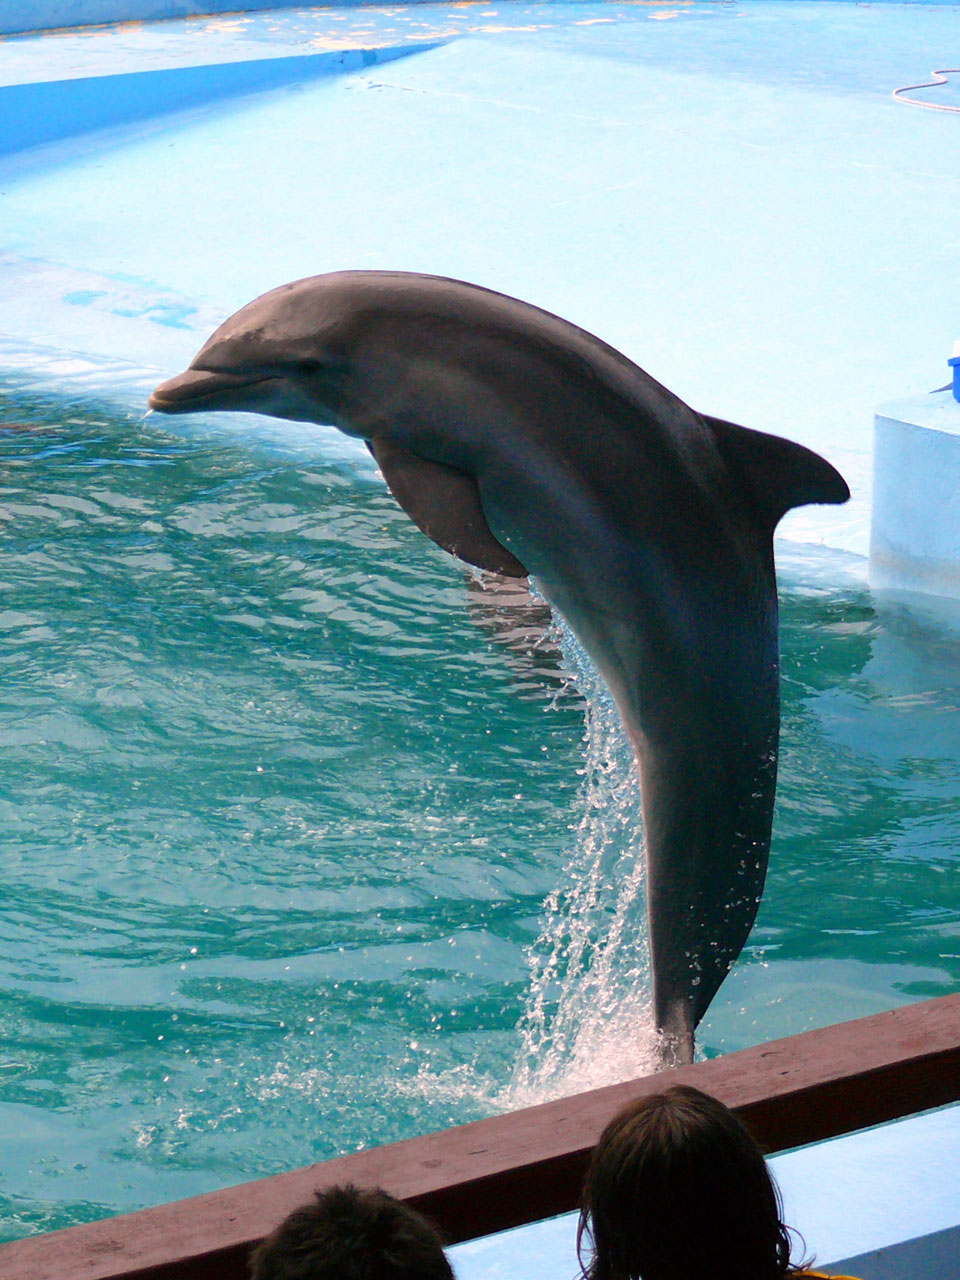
pixel 102 29
pixel 490 30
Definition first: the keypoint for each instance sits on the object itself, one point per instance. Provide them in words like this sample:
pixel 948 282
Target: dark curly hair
pixel 352 1233
pixel 678 1190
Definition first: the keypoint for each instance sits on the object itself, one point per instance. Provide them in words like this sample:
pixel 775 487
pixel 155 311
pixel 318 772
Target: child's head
pixel 349 1233
pixel 678 1190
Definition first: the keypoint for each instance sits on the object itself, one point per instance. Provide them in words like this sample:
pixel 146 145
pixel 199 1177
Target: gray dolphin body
pixel 523 444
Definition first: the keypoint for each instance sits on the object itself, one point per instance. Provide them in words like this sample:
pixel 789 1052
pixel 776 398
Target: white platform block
pixel 915 529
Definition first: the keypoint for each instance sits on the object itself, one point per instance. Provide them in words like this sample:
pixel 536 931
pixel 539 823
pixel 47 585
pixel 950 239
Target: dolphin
pixel 527 446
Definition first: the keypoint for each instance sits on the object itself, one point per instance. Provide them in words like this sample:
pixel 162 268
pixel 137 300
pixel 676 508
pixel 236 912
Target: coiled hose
pixel 941 78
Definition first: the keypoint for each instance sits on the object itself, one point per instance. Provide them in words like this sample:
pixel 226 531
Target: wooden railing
pixel 527 1165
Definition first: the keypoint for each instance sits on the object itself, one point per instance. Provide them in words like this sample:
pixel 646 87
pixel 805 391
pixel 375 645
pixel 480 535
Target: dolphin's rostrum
pixel 523 444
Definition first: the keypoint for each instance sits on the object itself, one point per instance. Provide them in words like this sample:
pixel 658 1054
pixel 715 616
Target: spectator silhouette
pixel 352 1233
pixel 678 1190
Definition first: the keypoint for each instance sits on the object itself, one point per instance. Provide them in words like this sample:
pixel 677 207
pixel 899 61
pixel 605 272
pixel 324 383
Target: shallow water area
pixel 287 792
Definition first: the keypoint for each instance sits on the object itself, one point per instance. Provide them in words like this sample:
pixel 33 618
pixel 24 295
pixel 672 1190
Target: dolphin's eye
pixel 310 364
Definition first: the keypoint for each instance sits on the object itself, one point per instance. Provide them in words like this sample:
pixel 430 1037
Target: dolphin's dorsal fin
pixel 778 473
pixel 445 504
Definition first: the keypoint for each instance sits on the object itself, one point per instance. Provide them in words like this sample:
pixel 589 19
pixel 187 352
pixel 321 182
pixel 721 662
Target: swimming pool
pixel 287 791
pixel 287 794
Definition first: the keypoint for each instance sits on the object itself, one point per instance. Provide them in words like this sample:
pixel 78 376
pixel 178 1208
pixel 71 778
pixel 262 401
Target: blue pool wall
pixel 48 111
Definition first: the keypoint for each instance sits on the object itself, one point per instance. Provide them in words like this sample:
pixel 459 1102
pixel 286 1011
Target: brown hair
pixel 352 1233
pixel 678 1190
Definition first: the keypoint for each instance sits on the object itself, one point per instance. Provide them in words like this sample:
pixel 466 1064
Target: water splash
pixel 588 1016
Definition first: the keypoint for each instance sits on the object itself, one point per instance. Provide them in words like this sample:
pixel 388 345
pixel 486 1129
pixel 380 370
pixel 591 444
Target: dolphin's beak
pixel 196 390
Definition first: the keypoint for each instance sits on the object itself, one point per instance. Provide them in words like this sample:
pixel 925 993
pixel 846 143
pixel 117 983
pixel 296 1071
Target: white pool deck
pixel 727 192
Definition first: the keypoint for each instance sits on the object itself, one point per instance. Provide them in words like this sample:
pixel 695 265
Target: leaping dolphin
pixel 523 444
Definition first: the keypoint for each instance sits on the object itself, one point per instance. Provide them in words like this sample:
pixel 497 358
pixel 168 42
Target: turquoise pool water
pixel 286 793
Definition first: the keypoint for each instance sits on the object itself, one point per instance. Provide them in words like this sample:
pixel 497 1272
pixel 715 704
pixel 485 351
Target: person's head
pixel 352 1233
pixel 678 1190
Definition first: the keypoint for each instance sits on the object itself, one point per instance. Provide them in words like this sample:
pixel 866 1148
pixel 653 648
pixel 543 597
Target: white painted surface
pixel 915 533
pixel 873 1189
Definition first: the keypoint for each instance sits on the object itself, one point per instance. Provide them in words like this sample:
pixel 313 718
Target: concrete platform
pixel 915 527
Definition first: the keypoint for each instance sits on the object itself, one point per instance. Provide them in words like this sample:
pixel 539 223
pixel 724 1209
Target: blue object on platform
pixel 954 363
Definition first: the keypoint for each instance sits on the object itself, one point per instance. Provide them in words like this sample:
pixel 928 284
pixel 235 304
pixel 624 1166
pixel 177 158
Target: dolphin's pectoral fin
pixel 445 504
pixel 777 473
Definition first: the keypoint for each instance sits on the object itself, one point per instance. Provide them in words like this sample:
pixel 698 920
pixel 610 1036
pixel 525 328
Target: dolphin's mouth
pixel 198 389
